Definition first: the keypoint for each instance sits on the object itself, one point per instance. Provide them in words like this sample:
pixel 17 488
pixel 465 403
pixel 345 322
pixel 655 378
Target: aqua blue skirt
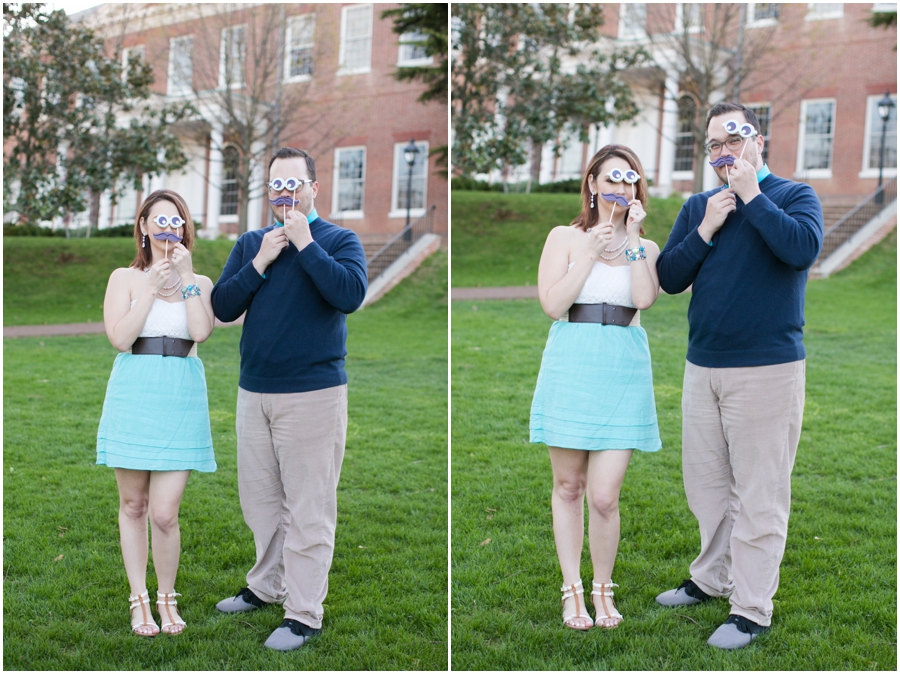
pixel 595 389
pixel 156 415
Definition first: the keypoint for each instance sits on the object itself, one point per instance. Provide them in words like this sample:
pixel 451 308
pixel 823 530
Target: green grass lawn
pixel 65 593
pixel 50 280
pixel 497 239
pixel 836 607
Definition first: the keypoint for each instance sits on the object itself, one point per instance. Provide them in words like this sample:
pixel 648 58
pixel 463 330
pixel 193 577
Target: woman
pixel 593 404
pixel 155 425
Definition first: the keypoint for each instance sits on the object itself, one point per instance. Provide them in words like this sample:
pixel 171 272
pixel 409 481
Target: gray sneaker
pixel 244 600
pixel 290 635
pixel 736 632
pixel 686 594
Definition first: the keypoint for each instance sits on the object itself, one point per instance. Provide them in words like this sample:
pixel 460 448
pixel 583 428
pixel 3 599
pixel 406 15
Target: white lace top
pixel 167 319
pixel 607 285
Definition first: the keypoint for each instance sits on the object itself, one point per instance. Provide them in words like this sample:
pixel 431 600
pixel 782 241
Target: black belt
pixel 607 314
pixel 161 346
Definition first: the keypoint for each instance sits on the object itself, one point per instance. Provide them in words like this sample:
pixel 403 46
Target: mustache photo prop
pixel 168 236
pixel 616 199
pixel 723 161
pixel 284 202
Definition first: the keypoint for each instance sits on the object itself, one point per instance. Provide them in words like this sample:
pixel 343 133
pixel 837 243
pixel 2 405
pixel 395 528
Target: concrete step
pixel 402 267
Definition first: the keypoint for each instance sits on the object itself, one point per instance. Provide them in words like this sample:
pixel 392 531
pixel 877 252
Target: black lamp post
pixel 409 154
pixel 884 111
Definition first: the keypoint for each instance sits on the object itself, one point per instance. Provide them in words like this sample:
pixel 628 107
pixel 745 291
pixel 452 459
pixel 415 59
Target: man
pixel 746 248
pixel 297 280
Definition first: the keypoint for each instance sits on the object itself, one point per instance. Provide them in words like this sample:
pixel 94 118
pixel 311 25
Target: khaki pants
pixel 739 440
pixel 290 449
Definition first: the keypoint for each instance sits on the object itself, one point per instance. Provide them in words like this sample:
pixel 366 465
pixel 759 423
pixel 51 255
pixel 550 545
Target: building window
pixel 763 112
pixel 230 160
pixel 181 68
pixel 688 18
pixel 872 150
pixel 126 204
pixel 763 13
pixel 356 39
pixel 684 136
pixel 401 181
pixel 130 53
pixel 884 6
pixel 816 138
pixel 231 57
pixel 412 50
pixel 300 41
pixel 349 181
pixel 824 10
pixel 632 21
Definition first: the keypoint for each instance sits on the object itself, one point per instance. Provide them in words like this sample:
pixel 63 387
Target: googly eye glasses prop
pixel 292 184
pixel 617 176
pixel 173 221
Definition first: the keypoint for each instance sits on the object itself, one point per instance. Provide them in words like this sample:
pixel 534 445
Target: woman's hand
pixel 636 217
pixel 598 238
pixel 181 261
pixel 158 276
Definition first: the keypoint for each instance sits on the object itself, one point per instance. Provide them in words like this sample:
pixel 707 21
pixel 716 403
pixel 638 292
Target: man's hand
pixel 272 244
pixel 718 206
pixel 296 226
pixel 743 180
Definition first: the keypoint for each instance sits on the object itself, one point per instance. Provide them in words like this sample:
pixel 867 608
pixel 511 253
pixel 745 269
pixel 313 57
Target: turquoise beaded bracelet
pixel 190 291
pixel 635 254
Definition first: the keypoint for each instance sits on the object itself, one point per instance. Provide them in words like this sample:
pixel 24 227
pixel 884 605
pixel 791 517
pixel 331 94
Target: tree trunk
pixel 699 159
pixel 243 192
pixel 94 213
pixel 537 149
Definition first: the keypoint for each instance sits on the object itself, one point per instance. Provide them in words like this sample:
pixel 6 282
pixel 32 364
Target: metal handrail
pixel 888 189
pixel 400 243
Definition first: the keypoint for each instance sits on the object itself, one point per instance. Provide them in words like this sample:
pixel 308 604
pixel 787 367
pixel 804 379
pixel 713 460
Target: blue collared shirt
pixel 761 175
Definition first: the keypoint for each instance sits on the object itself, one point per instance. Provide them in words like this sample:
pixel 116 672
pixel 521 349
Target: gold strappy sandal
pixel 141 616
pixel 575 590
pixel 605 607
pixel 172 623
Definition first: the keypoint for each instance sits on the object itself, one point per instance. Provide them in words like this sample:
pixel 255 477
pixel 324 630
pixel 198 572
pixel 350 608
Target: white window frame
pixel 407 62
pixel 626 30
pixel 181 91
pixel 814 13
pixel 401 172
pixel 292 23
pixel 126 52
pixel 767 135
pixel 679 18
pixel 884 7
pixel 343 69
pixel 571 140
pixel 335 190
pixel 871 106
pixel 801 141
pixel 225 41
pixel 753 22
pixel 230 217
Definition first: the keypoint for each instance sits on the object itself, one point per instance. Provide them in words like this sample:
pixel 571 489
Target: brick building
pixel 339 101
pixel 815 92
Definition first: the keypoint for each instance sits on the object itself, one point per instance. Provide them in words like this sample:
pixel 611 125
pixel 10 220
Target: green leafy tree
pixel 528 75
pixel 64 105
pixel 428 21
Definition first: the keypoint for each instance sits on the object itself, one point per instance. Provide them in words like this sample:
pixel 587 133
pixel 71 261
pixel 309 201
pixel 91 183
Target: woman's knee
pixel 570 488
pixel 604 504
pixel 134 506
pixel 164 520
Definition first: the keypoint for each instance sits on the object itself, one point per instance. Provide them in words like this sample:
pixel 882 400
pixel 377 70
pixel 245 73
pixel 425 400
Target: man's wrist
pixel 259 266
pixel 704 231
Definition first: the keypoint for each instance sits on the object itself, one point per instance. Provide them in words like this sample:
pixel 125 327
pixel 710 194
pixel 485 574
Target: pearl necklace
pixel 620 248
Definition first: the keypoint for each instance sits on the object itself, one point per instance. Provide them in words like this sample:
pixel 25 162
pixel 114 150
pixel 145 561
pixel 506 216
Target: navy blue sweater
pixel 747 301
pixel 295 332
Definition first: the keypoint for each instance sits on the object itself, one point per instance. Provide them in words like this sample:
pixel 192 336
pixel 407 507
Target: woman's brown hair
pixel 144 256
pixel 590 216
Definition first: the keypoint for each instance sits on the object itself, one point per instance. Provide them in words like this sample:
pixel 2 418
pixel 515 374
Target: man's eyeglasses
pixel 172 221
pixel 291 184
pixel 714 147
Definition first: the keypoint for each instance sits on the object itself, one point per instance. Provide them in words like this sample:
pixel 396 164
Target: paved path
pixel 69 329
pixel 500 293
